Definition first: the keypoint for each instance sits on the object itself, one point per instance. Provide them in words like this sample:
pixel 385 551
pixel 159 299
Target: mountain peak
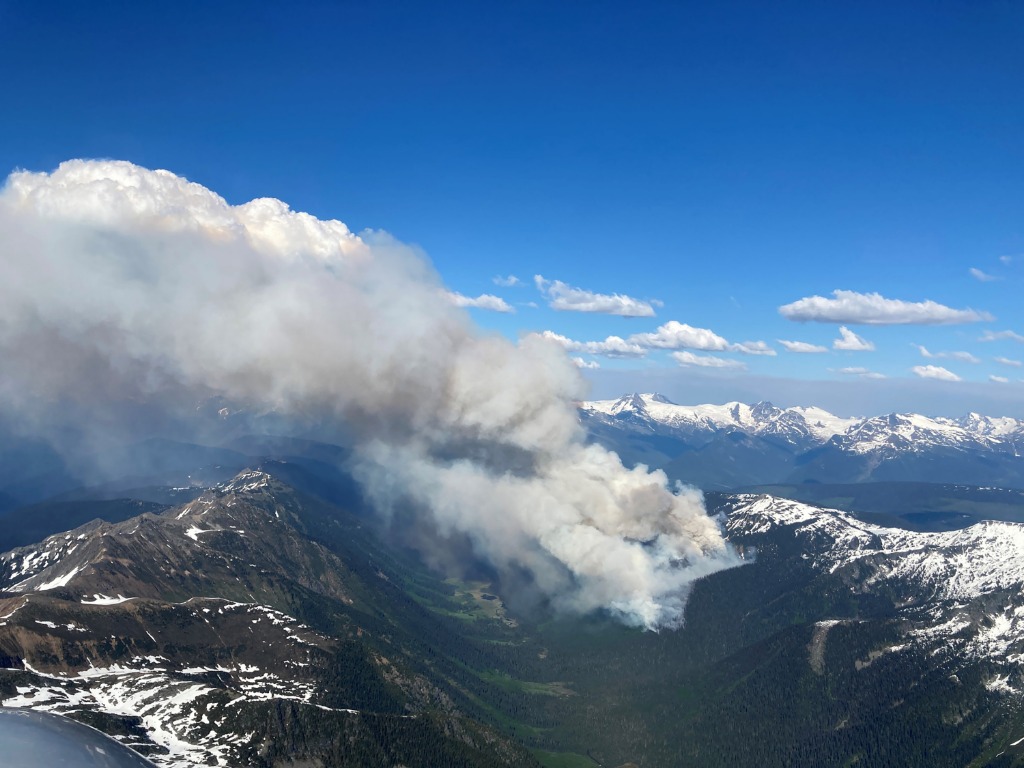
pixel 764 410
pixel 633 403
pixel 248 481
pixel 221 544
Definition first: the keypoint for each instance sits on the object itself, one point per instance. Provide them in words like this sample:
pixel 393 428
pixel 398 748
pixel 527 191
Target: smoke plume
pixel 128 295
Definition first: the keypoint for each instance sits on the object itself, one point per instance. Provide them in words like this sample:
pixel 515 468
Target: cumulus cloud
pixel 613 346
pixel 506 281
pixel 569 299
pixel 585 364
pixel 1008 361
pixel 1001 336
pixel 483 301
pixel 999 379
pixel 964 357
pixel 849 341
pixel 984 277
pixel 676 335
pixel 802 347
pixel 705 361
pixel 671 335
pixel 935 372
pixel 753 348
pixel 874 309
pixel 126 291
pixel 864 373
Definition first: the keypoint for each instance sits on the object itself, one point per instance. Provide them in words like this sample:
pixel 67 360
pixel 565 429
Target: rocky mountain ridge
pixel 189 635
pixel 812 424
pixel 958 592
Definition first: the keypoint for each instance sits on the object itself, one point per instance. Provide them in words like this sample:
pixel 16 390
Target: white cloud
pixel 999 379
pixel 569 299
pixel 802 347
pixel 753 348
pixel 849 341
pixel 507 281
pixel 1006 259
pixel 935 372
pixel 705 361
pixel 565 342
pixel 483 301
pixel 613 346
pixel 586 364
pixel 676 335
pixel 1001 336
pixel 964 357
pixel 864 373
pixel 1008 361
pixel 984 277
pixel 875 309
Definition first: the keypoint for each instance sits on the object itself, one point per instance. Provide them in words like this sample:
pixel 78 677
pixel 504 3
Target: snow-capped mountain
pixel 911 432
pixel 655 412
pixel 958 594
pixel 768 444
pixel 190 636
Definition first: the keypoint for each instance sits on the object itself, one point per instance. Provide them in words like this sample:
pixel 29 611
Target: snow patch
pixel 104 600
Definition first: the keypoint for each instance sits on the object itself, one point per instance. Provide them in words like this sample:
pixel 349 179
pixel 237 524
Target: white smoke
pixel 125 291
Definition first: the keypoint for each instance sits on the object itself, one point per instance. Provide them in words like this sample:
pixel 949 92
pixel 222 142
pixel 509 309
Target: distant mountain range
pixel 737 445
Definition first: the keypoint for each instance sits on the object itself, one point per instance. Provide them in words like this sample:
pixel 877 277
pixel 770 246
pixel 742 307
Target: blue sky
pixel 716 161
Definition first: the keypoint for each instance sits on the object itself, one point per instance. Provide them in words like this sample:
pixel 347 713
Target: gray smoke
pixel 129 295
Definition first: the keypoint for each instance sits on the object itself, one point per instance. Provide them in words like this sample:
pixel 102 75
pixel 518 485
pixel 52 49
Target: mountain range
pixel 250 626
pixel 259 624
pixel 736 445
